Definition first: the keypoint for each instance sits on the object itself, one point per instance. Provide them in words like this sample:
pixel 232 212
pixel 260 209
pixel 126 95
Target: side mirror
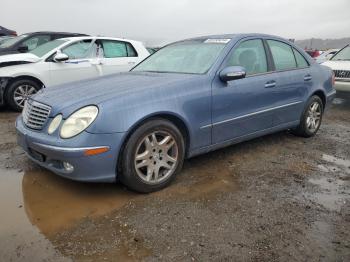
pixel 232 73
pixel 60 57
pixel 22 49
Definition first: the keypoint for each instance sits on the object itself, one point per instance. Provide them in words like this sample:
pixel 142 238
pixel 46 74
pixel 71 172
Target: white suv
pixel 64 60
pixel 340 64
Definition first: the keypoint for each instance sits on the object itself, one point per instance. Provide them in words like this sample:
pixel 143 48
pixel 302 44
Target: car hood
pixel 338 65
pixel 23 57
pixel 69 97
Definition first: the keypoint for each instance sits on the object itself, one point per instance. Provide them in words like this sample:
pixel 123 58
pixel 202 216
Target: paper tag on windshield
pixel 217 41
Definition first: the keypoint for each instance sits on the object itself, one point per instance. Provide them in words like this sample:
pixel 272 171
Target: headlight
pixel 55 123
pixel 78 121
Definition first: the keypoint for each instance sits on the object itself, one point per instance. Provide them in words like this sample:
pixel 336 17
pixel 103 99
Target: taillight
pixel 333 79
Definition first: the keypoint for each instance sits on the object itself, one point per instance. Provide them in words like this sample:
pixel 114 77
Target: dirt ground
pixel 275 198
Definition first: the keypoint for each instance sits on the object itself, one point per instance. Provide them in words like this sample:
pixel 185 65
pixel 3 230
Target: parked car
pixel 313 53
pixel 30 41
pixel 4 32
pixel 188 98
pixel 64 60
pixel 5 38
pixel 340 64
pixel 326 55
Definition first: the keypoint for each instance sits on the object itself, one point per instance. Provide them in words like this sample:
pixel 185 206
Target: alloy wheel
pixel 313 119
pixel 22 93
pixel 156 157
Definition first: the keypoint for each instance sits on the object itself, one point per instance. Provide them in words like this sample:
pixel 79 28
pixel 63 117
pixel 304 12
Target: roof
pixel 98 37
pixel 232 36
pixel 53 32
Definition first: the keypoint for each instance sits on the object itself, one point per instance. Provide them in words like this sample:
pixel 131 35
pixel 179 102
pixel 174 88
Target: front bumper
pixel 3 83
pixel 342 85
pixel 51 152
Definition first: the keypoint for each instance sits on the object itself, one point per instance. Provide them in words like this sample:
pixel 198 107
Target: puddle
pixel 338 101
pixel 332 193
pixel 53 203
pixel 343 163
pixel 37 205
pixel 20 240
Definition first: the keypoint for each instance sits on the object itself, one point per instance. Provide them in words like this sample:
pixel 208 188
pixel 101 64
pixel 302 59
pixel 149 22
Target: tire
pixel 153 169
pixel 306 127
pixel 25 87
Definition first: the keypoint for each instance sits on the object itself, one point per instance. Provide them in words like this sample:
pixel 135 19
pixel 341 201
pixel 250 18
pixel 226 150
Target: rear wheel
pixel 19 91
pixel 152 157
pixel 311 119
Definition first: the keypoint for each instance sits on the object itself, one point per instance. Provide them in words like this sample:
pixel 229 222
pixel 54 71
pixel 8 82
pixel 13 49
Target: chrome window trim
pixel 250 114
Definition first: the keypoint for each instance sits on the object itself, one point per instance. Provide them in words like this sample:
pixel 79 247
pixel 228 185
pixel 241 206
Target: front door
pixel 242 107
pixel 82 63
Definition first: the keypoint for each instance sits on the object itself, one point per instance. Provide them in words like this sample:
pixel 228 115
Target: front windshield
pixel 342 55
pixel 190 57
pixel 47 47
pixel 12 41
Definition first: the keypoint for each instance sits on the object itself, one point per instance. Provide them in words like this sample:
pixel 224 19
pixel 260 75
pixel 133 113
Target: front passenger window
pixel 250 55
pixel 78 50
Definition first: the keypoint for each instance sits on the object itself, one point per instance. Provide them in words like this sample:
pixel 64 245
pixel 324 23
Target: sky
pixel 161 21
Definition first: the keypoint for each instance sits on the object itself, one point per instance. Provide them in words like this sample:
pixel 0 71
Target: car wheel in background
pixel 311 118
pixel 152 157
pixel 19 91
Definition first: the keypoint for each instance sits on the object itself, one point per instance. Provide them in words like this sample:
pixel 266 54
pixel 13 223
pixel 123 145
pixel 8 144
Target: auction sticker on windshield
pixel 217 41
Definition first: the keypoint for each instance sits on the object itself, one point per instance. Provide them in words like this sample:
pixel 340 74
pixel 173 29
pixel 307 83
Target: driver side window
pixel 78 50
pixel 251 55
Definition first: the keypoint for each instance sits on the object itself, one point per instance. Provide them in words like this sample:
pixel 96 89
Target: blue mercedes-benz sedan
pixel 189 98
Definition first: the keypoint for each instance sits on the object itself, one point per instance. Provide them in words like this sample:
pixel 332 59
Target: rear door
pixel 116 56
pixel 293 77
pixel 81 64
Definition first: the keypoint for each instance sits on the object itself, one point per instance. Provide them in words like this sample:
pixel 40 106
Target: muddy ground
pixel 276 198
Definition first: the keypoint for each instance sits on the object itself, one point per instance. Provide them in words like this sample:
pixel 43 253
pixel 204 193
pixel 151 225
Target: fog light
pixel 68 167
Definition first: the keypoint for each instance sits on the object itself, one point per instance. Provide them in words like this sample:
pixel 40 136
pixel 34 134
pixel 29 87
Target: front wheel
pixel 19 91
pixel 311 119
pixel 152 157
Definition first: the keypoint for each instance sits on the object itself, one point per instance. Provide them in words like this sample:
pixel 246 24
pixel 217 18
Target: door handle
pixel 131 63
pixel 270 84
pixel 307 77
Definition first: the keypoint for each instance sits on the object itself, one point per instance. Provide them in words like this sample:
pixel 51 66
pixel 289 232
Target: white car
pixel 340 64
pixel 326 55
pixel 64 60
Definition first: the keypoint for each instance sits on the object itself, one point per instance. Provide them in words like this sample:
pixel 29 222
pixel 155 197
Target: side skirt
pixel 237 140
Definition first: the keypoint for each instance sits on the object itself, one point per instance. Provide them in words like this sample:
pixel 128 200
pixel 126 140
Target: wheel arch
pixel 177 120
pixel 322 95
pixel 25 77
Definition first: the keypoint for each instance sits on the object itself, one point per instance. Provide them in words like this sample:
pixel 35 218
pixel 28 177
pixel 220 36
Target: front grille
pixel 35 114
pixel 342 73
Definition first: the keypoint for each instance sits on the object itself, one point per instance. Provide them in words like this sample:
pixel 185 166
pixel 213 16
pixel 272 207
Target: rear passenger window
pixel 251 55
pixel 301 61
pixel 282 55
pixel 112 49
